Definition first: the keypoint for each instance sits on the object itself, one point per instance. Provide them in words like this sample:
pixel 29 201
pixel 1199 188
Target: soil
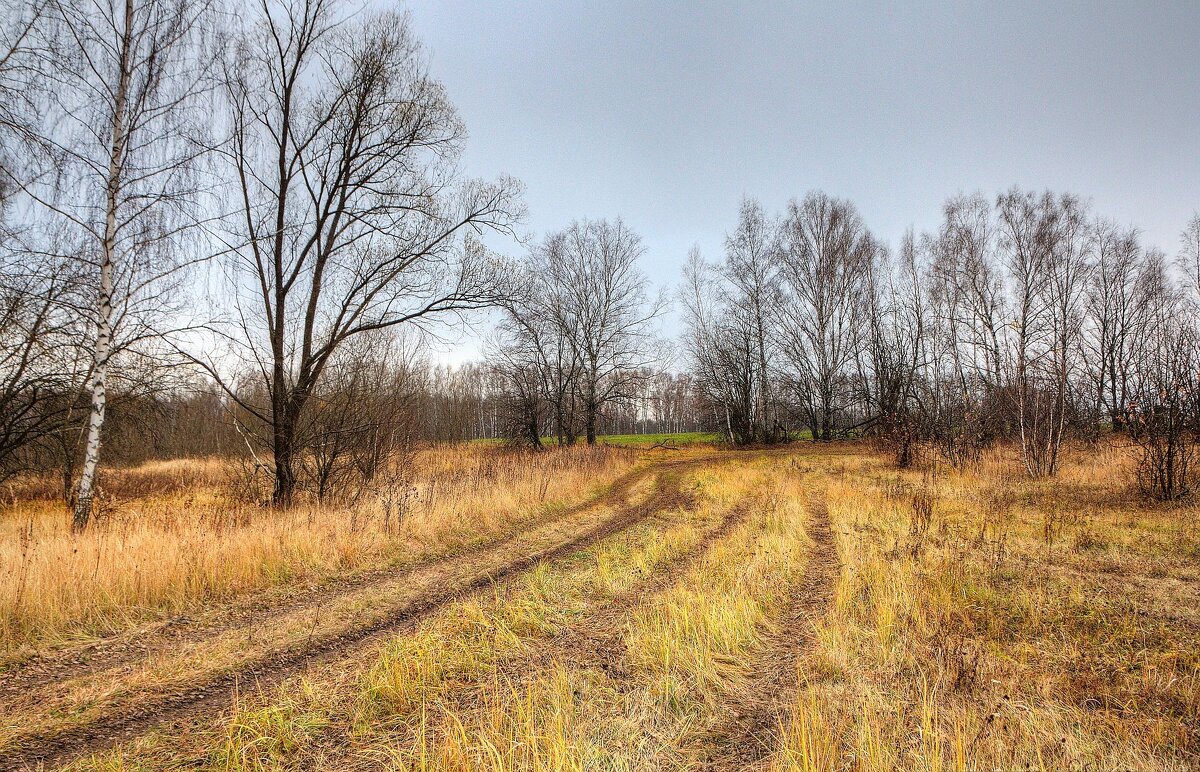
pixel 761 703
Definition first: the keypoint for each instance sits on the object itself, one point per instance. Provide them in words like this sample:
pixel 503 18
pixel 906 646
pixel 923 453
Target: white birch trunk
pixel 102 347
pixel 101 351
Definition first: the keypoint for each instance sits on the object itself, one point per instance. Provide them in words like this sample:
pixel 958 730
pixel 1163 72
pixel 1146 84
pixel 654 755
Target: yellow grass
pixel 186 542
pixel 684 648
pixel 980 621
pixel 1031 626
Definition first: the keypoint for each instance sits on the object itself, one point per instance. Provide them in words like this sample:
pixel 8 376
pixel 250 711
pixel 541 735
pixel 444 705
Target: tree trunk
pixel 91 458
pixel 535 433
pixel 591 424
pixel 102 348
pixel 284 443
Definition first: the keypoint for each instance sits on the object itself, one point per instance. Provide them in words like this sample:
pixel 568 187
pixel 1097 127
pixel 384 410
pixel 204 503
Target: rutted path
pixel 127 647
pixel 596 638
pixel 762 703
pixel 443 586
pixel 600 643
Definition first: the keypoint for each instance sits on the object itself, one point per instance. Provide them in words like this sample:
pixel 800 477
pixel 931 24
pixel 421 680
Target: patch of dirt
pixel 761 703
pixel 215 692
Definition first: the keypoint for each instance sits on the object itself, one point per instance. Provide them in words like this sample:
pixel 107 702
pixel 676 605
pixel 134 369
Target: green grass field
pixel 648 440
pixel 636 440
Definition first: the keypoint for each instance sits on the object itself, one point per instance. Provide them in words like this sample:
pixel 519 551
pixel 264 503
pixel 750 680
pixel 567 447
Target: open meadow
pixel 804 607
pixel 573 387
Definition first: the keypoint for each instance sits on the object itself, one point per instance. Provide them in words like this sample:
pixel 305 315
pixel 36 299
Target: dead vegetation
pixel 807 608
pixel 164 548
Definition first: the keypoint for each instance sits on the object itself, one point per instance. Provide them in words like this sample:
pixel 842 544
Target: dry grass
pixel 415 704
pixel 679 650
pixel 980 621
pixel 479 687
pixel 1023 625
pixel 178 541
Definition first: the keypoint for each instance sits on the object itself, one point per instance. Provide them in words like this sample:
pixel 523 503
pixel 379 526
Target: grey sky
pixel 668 113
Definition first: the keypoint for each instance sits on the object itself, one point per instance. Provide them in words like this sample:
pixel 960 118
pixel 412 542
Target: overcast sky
pixel 668 113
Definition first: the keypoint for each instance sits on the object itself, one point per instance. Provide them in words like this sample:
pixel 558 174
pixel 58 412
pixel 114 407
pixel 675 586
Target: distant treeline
pixel 221 232
pixel 1023 317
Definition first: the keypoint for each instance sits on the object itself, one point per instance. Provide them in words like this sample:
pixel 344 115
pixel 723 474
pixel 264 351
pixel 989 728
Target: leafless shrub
pixel 1162 418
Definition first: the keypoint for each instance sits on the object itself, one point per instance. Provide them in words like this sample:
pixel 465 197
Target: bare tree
pixel 1165 392
pixel 536 352
pixel 966 265
pixel 522 356
pixel 895 349
pixel 720 339
pixel 351 214
pixel 1120 289
pixel 33 326
pixel 1047 245
pixel 826 254
pixel 524 404
pixel 752 272
pixel 601 308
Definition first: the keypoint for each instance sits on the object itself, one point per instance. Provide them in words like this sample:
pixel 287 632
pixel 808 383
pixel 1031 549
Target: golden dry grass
pixel 1026 625
pixel 474 688
pixel 181 542
pixel 979 621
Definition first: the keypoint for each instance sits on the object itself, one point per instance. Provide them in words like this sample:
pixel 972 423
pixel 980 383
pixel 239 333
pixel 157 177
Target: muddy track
pixel 597 639
pixel 761 703
pixel 600 641
pixel 214 693
pixel 134 646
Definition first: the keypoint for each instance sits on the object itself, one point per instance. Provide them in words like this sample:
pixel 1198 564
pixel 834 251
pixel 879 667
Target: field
pixel 629 607
pixel 644 441
pixel 659 440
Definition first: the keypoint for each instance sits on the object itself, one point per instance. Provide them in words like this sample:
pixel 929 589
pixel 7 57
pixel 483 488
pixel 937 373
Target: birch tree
pixel 1120 289
pixel 121 82
pixel 720 341
pixel 752 272
pixel 826 253
pixel 1047 246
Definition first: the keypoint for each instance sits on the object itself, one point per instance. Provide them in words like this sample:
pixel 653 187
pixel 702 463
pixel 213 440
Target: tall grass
pixel 180 541
pixel 1005 640
pixel 980 621
pixel 681 649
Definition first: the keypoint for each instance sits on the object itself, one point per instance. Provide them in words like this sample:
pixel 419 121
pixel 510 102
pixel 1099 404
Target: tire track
pixel 761 703
pixel 601 642
pixel 56 748
pixel 596 640
pixel 131 646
